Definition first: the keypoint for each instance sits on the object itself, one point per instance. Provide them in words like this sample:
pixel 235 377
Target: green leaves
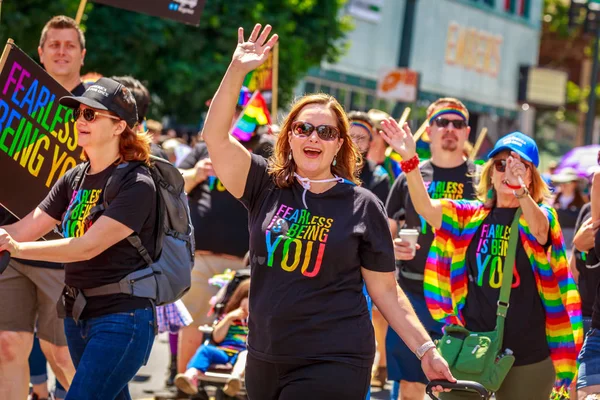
pixel 182 65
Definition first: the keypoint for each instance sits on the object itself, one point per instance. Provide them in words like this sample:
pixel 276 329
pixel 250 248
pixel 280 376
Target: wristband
pixel 525 193
pixel 409 164
pixel 513 187
pixel 425 347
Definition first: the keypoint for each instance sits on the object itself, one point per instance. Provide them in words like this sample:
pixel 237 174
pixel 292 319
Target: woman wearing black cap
pixel 111 337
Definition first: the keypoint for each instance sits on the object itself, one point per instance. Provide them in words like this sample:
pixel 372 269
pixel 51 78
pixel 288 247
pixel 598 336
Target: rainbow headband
pixel 364 126
pixel 449 110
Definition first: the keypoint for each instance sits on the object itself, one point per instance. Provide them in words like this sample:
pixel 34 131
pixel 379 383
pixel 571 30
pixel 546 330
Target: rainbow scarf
pixel 449 109
pixel 255 114
pixel 446 280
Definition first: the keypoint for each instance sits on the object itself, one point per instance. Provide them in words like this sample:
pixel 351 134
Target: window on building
pixel 518 7
pixel 310 87
pixel 490 3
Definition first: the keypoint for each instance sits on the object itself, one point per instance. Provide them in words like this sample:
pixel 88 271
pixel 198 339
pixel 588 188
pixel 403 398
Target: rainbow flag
pixel 256 113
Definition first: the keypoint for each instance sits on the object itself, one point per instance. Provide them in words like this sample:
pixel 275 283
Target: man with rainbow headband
pixel 463 274
pixel 447 174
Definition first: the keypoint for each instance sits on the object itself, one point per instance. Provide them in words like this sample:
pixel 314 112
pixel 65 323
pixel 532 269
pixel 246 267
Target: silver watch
pixel 424 348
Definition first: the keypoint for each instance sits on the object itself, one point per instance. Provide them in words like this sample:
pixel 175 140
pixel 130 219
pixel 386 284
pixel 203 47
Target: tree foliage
pixel 183 65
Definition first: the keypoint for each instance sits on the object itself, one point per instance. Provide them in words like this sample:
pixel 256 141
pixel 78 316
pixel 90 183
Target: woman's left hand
pixel 515 169
pixel 7 243
pixel 435 367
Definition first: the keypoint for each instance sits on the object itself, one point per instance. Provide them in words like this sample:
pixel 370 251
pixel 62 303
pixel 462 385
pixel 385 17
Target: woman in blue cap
pixel 466 263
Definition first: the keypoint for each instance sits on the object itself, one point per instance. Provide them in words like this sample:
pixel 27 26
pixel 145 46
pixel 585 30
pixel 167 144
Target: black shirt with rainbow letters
pixel 307 300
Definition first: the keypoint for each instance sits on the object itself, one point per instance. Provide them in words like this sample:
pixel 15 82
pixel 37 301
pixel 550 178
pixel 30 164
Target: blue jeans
pixel 402 363
pixel 589 360
pixel 107 352
pixel 207 355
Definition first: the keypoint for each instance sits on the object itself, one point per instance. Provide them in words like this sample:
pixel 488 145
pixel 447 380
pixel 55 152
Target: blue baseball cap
pixel 521 144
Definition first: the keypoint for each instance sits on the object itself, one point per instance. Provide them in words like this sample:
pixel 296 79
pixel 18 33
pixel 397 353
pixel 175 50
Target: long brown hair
pixel 348 159
pixel 239 294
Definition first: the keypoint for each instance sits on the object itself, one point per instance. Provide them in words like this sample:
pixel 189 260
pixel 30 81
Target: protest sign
pixel 38 141
pixel 186 11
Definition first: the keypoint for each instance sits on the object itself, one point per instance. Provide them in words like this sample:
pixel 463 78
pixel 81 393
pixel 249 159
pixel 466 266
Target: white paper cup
pixel 411 236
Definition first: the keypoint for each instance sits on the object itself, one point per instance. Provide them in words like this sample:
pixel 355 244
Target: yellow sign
pixel 474 49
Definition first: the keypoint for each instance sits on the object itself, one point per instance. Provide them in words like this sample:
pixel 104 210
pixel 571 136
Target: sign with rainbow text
pixel 186 11
pixel 38 141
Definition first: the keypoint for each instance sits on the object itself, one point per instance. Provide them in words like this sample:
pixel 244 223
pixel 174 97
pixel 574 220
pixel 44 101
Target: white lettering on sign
pixel 473 49
pixel 184 6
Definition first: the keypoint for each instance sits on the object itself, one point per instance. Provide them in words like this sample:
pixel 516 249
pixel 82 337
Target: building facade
pixel 469 49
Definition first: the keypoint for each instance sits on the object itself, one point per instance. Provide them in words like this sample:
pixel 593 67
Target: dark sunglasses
pixel 90 115
pixel 305 129
pixel 457 123
pixel 500 165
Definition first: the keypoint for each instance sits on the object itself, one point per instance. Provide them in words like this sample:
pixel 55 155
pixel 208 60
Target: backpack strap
pixel 79 171
pixel 509 265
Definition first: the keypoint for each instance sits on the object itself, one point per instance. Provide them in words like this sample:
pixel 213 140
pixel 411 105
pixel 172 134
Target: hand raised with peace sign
pixel 252 53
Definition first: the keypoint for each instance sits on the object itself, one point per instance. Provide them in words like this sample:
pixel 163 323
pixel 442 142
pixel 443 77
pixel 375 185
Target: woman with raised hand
pixel 463 274
pixel 315 238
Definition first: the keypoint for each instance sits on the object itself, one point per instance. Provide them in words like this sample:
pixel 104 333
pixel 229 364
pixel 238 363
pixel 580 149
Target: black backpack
pixel 168 274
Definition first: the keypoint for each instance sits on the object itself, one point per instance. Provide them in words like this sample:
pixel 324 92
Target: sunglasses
pixel 90 115
pixel 457 123
pixel 325 132
pixel 500 165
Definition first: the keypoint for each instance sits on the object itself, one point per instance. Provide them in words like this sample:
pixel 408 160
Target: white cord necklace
pixel 305 182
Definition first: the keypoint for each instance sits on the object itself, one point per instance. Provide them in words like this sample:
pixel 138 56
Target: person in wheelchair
pixel 228 339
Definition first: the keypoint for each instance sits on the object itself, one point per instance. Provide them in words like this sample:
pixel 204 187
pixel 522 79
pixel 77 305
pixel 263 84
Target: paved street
pixel 151 379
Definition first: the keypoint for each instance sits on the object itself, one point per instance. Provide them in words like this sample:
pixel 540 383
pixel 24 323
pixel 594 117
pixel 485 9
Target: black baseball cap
pixel 107 94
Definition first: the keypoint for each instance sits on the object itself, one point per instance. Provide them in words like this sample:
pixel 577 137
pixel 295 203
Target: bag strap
pixel 509 265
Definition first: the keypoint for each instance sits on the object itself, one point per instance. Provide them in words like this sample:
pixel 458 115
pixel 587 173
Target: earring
pixel 290 156
pixel 490 194
pixel 334 160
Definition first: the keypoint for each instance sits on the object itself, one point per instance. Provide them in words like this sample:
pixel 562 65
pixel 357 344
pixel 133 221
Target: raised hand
pixel 251 54
pixel 516 172
pixel 399 138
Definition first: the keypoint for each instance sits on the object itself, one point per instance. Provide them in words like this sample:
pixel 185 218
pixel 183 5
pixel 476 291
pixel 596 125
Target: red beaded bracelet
pixel 409 164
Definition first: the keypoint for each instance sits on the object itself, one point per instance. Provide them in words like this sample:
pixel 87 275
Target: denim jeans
pixel 589 360
pixel 107 352
pixel 207 355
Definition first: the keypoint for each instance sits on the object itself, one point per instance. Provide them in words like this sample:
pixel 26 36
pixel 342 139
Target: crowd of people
pixel 358 263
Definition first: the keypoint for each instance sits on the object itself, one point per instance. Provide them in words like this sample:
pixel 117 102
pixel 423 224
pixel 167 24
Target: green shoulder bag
pixel 476 356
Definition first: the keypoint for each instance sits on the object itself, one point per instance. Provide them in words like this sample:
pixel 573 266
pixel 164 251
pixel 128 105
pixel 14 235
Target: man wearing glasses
pixel 30 289
pixel 448 174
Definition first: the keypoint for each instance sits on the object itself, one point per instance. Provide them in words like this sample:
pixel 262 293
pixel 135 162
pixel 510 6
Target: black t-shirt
pixel 7 218
pixel 376 179
pixel 525 324
pixel 587 265
pixel 441 183
pixel 220 221
pixel 79 89
pixel 594 259
pixel 134 206
pixel 307 298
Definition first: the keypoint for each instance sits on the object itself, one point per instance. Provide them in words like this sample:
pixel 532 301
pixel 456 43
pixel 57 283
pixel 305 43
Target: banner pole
pixel 80 11
pixel 275 89
pixel 404 117
pixel 478 143
pixel 7 49
pixel 420 131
